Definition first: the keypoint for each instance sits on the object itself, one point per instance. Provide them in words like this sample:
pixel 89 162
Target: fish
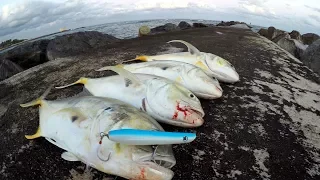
pixel 75 125
pixel 187 75
pixel 161 98
pixel 213 65
pixel 149 137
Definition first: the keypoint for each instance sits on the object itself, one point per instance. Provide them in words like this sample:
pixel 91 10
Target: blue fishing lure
pixel 148 137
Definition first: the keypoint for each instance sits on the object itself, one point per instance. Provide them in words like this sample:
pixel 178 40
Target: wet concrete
pixel 267 126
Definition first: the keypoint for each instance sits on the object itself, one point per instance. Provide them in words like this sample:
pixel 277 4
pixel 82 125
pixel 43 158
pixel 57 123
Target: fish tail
pixel 39 100
pixel 142 58
pixel 82 80
pixel 36 135
pixel 138 58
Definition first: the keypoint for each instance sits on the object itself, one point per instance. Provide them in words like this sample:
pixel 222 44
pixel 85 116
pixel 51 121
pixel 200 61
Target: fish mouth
pixel 198 111
pixel 153 171
pixel 208 96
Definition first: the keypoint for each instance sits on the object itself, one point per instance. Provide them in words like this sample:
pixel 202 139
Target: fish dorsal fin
pixel 192 50
pixel 68 156
pixel 129 77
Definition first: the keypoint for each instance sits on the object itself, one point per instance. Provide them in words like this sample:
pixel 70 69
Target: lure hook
pixel 102 135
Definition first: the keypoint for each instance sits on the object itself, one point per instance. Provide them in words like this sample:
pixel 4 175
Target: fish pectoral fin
pixel 192 50
pixel 68 156
pixel 129 77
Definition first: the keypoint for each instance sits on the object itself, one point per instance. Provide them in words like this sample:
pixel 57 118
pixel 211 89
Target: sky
pixel 33 18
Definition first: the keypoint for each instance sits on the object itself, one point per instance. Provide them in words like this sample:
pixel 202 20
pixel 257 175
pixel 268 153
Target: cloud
pixel 40 14
pixel 316 18
pixel 313 8
pixel 256 8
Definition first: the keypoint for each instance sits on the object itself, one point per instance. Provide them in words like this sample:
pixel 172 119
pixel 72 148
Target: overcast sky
pixel 28 18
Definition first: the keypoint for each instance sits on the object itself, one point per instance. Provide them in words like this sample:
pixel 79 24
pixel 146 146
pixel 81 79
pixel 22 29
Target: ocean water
pixel 127 29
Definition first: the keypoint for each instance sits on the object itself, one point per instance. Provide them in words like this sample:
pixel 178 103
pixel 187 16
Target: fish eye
pixel 191 95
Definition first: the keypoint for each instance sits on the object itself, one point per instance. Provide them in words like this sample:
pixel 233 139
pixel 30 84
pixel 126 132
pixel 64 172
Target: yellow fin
pixel 39 100
pixel 36 135
pixel 201 65
pixel 82 80
pixel 139 58
pixel 142 58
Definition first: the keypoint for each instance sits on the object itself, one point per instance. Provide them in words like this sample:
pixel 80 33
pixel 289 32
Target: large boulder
pixel 300 48
pixel 184 25
pixel 296 35
pixel 8 69
pixel 232 23
pixel 311 56
pixel 28 54
pixel 263 32
pixel 80 42
pixel 273 32
pixel 199 25
pixel 309 38
pixel 165 28
pixel 287 44
pixel 240 26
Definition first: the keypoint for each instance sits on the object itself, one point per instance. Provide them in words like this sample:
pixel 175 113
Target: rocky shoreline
pixel 266 126
pixel 37 52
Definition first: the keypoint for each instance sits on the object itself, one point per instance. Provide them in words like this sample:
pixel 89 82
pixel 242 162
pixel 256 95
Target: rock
pixel 309 38
pixel 284 35
pixel 144 30
pixel 8 69
pixel 28 54
pixel 284 41
pixel 165 28
pixel 300 48
pixel 240 26
pixel 232 23
pixel 261 128
pixel 296 35
pixel 263 32
pixel 80 42
pixel 273 32
pixel 199 25
pixel 311 56
pixel 184 25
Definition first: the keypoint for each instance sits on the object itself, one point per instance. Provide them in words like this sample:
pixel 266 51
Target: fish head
pixel 174 103
pixel 155 161
pixel 222 69
pixel 204 86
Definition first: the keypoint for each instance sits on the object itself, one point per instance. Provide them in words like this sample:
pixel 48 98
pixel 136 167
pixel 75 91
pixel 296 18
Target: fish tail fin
pixel 142 58
pixel 34 136
pixel 82 80
pixel 39 100
pixel 138 58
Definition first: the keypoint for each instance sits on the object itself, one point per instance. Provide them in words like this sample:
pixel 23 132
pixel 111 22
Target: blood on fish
pixel 179 109
pixel 142 175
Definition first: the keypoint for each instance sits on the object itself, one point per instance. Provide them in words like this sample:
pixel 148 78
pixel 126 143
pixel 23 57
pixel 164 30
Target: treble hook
pixel 102 135
pixel 154 152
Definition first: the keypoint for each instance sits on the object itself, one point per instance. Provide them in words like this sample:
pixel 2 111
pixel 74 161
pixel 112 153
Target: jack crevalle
pixel 213 65
pixel 188 75
pixel 76 124
pixel 164 100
